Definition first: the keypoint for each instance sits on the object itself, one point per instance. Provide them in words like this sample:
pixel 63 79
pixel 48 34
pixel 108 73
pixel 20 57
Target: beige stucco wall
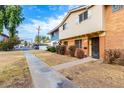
pixel 92 24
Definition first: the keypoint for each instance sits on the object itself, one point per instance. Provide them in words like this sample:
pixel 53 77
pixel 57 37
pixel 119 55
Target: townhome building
pixel 94 29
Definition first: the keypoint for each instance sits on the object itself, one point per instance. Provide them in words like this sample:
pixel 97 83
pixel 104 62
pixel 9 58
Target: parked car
pixel 36 47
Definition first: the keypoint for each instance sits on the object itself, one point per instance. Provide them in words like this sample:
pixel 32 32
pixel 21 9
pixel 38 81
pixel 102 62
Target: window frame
pixel 83 16
pixel 65 26
pixel 78 43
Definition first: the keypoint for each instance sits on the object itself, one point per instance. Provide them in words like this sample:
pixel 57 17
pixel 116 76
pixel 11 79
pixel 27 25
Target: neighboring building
pixel 94 28
pixel 3 37
pixel 54 35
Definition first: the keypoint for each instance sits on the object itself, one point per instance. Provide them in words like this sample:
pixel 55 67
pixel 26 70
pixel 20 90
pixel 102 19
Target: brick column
pixel 85 46
pixel 101 47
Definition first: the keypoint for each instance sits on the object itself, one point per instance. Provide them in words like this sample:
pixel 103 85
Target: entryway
pixel 95 47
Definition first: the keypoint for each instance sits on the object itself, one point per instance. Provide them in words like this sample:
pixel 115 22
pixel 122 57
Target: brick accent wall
pixel 114 27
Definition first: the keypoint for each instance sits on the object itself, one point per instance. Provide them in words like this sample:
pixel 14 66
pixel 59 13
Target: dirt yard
pixel 96 75
pixel 52 59
pixel 14 71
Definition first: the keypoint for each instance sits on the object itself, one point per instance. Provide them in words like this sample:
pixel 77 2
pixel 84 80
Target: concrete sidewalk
pixel 45 77
pixel 73 63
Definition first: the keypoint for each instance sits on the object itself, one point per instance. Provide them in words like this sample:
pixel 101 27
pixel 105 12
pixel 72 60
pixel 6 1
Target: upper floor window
pixel 117 7
pixel 83 16
pixel 65 26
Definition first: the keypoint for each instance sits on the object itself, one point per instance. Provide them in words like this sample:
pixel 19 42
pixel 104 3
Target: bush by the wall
pixel 61 49
pixel 51 49
pixel 119 61
pixel 79 53
pixel 112 55
pixel 71 50
pixel 58 49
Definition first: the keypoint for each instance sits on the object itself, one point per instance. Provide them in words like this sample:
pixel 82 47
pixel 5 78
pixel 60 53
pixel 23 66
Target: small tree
pixel 25 43
pixel 38 39
pixel 9 44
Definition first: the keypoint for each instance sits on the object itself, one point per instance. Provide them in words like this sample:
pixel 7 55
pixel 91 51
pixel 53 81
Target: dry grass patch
pixel 10 57
pixel 14 71
pixel 96 74
pixel 52 59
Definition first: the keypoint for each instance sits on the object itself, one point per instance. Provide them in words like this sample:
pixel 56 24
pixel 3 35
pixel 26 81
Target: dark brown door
pixel 95 47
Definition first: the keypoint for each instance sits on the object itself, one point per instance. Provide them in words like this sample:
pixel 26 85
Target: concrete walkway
pixel 45 77
pixel 73 63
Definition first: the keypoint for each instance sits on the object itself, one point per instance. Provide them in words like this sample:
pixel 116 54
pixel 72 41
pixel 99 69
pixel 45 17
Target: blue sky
pixel 45 16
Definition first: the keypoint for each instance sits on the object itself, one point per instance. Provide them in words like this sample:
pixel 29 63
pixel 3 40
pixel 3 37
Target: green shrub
pixel 4 46
pixel 71 50
pixel 61 49
pixel 9 44
pixel 79 53
pixel 51 49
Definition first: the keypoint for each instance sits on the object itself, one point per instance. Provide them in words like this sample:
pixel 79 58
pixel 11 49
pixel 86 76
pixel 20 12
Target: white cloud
pixel 46 26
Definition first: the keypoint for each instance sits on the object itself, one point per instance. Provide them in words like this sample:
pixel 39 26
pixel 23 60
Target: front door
pixel 95 47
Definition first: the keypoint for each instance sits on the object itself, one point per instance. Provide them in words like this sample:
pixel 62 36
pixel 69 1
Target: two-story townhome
pixel 83 27
pixel 54 36
pixel 3 37
pixel 94 28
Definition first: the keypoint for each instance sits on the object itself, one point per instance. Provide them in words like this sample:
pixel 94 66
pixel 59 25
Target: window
pixel 53 34
pixel 66 43
pixel 78 43
pixel 65 26
pixel 117 7
pixel 83 16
